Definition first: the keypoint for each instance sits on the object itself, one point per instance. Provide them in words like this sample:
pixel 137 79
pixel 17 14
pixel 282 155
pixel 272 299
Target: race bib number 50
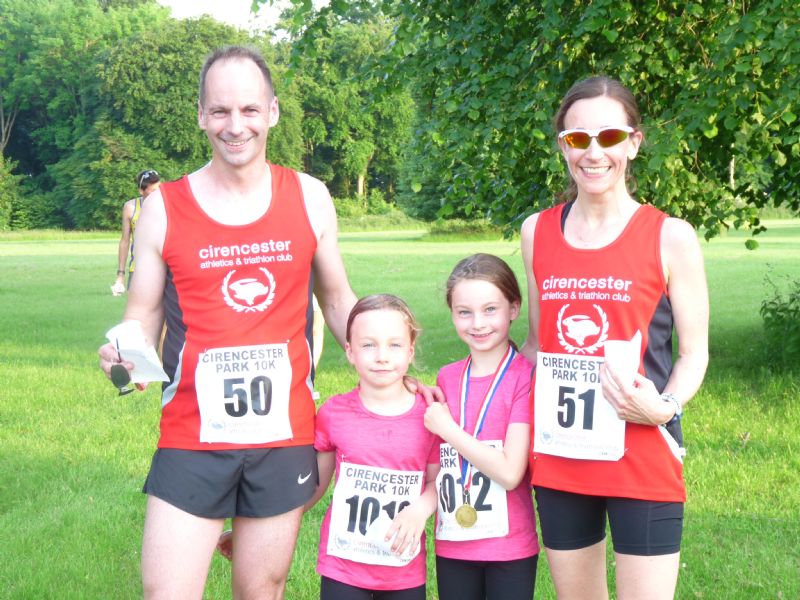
pixel 571 416
pixel 243 394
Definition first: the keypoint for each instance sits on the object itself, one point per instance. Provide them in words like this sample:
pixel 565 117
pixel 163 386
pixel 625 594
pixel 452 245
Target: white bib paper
pixel 243 394
pixel 571 417
pixel 487 497
pixel 365 501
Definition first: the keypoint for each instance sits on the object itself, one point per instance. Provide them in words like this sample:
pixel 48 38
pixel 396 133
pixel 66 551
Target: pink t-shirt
pixel 509 405
pixel 358 436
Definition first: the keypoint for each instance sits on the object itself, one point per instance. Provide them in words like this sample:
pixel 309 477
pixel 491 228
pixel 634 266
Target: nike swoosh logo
pixel 301 480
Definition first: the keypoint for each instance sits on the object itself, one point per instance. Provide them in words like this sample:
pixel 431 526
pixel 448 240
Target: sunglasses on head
pixel 606 137
pixel 146 177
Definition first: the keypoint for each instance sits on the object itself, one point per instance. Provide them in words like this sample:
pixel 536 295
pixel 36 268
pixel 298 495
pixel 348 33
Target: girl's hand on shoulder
pixel 431 394
pixel 636 401
pixel 438 418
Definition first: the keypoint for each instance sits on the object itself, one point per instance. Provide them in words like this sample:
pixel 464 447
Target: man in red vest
pixel 229 256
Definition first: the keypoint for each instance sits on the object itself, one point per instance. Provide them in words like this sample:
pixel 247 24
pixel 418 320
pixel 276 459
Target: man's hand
pixel 109 356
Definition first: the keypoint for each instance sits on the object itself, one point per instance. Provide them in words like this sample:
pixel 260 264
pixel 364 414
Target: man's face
pixel 238 112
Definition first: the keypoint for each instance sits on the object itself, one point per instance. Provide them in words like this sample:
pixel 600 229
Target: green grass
pixel 74 455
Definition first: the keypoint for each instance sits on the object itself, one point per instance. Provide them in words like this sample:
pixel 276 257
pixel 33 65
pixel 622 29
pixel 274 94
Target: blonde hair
pixel 384 302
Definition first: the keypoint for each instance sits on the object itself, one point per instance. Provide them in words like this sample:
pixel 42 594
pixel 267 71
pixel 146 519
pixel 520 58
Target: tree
pixel 106 160
pixel 354 138
pixel 50 94
pixel 717 83
pixel 9 193
pixel 98 97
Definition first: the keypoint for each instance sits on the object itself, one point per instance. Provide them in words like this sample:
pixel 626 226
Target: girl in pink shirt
pixel 372 542
pixel 486 544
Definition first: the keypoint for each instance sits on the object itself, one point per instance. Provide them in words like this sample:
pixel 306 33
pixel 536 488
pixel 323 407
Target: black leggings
pixel 639 527
pixel 486 579
pixel 330 589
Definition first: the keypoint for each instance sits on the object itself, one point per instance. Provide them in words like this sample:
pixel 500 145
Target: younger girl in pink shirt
pixel 372 542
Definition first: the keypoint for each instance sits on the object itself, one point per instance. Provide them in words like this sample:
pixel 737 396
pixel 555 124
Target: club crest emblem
pixel 580 329
pixel 249 294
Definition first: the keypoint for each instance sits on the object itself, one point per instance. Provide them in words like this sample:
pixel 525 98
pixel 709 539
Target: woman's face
pixel 598 171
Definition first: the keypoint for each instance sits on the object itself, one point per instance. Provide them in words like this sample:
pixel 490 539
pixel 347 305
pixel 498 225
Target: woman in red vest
pixel 608 278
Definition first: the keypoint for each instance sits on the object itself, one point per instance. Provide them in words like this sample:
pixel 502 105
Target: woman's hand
pixel 636 401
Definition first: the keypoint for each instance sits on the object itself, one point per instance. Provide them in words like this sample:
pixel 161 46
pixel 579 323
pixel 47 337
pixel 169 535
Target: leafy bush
pixel 38 210
pixel 781 314
pixel 396 220
pixel 476 229
pixel 358 206
pixel 350 207
pixel 9 192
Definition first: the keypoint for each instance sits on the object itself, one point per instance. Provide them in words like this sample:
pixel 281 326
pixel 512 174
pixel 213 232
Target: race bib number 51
pixel 243 394
pixel 571 416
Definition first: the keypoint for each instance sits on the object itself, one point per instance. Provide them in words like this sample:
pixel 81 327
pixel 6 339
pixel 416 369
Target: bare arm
pixel 506 466
pixel 331 286
pixel 530 348
pixel 147 288
pixel 688 292
pixel 125 239
pixel 640 401
pixel 326 464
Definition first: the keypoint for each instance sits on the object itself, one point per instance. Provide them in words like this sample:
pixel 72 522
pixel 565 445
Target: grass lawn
pixel 74 455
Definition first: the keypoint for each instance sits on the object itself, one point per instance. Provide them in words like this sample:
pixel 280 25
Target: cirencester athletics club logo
pixel 245 291
pixel 580 327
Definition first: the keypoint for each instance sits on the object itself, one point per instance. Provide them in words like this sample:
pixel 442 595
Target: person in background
pixel 148 182
pixel 608 278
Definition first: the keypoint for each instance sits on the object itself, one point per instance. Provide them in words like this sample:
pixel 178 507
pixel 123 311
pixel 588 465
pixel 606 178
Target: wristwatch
pixel 667 397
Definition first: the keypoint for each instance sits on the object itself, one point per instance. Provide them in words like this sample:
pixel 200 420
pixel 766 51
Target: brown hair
pixel 487 267
pixel 384 302
pixel 146 177
pixel 234 53
pixel 592 88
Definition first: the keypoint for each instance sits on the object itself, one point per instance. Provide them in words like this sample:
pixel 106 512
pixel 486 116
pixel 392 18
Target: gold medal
pixel 466 516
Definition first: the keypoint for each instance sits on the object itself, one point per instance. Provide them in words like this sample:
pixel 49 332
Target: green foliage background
pixel 93 92
pixel 443 107
pixel 717 83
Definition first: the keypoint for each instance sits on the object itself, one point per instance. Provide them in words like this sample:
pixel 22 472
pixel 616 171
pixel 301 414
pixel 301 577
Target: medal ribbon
pixel 499 373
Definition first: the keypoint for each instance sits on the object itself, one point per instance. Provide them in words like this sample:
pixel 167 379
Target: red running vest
pixel 237 301
pixel 613 291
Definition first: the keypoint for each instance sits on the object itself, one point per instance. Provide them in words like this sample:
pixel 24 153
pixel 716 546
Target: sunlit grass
pixel 74 454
